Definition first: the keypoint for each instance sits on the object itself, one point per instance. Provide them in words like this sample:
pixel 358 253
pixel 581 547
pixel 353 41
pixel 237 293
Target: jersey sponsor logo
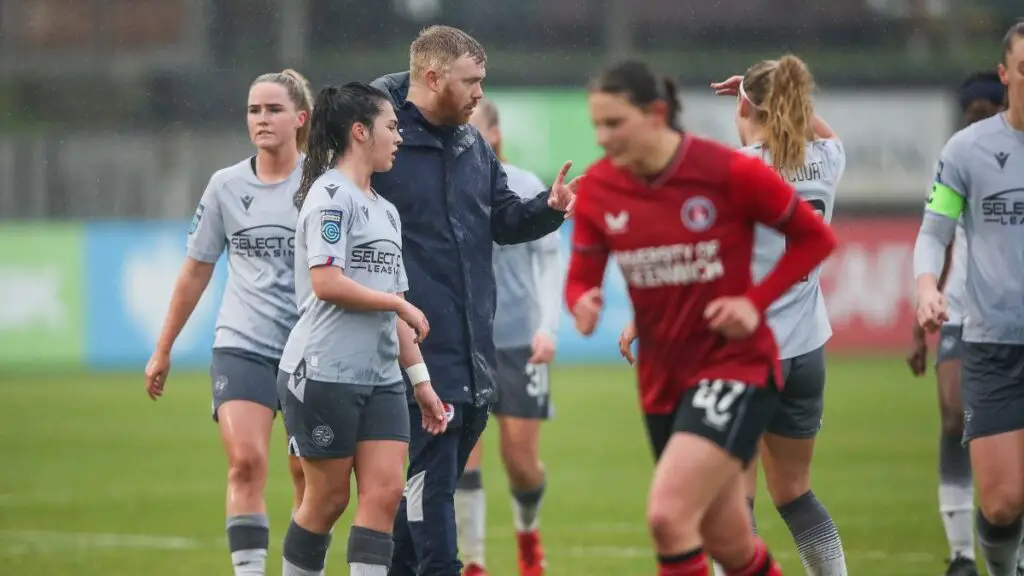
pixel 267 241
pixel 330 226
pixel 376 257
pixel 1004 208
pixel 698 214
pixel 616 223
pixel 196 218
pixel 673 265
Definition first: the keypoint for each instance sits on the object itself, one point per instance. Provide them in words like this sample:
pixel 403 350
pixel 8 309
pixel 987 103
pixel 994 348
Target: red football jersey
pixel 681 241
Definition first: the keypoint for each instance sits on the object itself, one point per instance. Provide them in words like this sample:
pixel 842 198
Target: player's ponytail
pixel 675 106
pixel 780 91
pixel 335 111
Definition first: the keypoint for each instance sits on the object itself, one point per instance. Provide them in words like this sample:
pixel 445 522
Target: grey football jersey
pixel 255 222
pixel 799 319
pixel 984 164
pixel 339 225
pixel 518 314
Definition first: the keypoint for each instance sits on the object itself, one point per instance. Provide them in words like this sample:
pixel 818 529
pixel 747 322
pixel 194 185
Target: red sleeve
pixel 588 259
pixel 769 200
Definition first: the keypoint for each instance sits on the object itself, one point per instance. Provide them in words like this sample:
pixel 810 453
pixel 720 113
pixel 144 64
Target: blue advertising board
pixel 131 268
pixel 130 272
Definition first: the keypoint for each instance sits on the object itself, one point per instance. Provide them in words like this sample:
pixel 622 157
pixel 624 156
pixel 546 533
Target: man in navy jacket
pixel 454 201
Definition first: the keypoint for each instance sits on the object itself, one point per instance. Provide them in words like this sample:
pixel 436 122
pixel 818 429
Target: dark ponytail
pixel 642 87
pixel 335 111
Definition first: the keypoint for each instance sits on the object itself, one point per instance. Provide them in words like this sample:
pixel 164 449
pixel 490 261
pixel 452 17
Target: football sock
pixel 248 538
pixel 526 508
pixel 815 534
pixel 693 563
pixel 369 552
pixel 956 495
pixel 471 517
pixel 999 545
pixel 304 551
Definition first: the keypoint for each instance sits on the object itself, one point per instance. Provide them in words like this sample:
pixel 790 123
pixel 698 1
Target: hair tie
pixel 743 95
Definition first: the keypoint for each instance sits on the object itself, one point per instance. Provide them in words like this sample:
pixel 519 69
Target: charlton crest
pixel 698 214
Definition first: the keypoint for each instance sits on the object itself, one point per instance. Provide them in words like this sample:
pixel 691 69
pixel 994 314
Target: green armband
pixel 945 201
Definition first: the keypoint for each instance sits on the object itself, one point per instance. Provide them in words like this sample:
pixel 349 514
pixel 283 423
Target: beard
pixel 452 112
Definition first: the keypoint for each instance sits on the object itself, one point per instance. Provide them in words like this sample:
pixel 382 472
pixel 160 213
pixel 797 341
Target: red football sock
pixel 761 564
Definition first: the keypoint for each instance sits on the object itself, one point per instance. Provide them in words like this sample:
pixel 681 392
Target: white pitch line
pixel 16 542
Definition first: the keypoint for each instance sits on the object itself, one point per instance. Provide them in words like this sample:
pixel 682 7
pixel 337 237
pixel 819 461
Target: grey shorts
pixel 237 374
pixel 992 388
pixel 328 419
pixel 523 389
pixel 951 346
pixel 802 400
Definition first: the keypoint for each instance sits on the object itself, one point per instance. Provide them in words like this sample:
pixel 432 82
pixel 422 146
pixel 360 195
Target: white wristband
pixel 417 374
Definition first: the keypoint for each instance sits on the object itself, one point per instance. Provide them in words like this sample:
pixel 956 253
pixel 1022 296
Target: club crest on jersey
pixel 330 226
pixel 366 212
pixel 698 214
pixel 616 223
pixel 391 218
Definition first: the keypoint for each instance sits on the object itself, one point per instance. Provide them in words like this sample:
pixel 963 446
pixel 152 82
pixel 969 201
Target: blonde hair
pixel 438 47
pixel 299 93
pixel 780 92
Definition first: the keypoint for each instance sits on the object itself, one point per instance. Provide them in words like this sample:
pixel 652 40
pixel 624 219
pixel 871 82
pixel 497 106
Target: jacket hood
pixel 395 85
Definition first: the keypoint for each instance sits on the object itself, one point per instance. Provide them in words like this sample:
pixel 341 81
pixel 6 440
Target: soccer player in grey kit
pixel 529 282
pixel 981 96
pixel 340 384
pixel 980 177
pixel 247 210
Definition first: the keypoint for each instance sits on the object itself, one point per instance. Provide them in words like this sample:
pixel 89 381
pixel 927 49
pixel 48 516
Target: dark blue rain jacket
pixel 454 201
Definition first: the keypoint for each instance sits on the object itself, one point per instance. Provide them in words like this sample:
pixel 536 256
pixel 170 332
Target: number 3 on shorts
pixel 537 387
pixel 716 398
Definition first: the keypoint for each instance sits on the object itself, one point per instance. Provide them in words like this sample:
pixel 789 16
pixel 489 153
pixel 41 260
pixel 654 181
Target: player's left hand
pixel 543 347
pixel 732 316
pixel 728 87
pixel 563 196
pixel 918 357
pixel 626 342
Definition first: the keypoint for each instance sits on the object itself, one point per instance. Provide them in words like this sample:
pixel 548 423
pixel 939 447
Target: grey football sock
pixel 248 538
pixel 369 552
pixel 304 551
pixel 526 508
pixel 816 537
pixel 956 495
pixel 999 545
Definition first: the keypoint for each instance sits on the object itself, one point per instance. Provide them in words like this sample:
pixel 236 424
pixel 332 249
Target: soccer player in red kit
pixel 678 214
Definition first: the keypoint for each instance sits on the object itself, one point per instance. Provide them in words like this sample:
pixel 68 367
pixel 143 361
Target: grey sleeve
pixel 936 233
pixel 206 236
pixel 327 226
pixel 547 271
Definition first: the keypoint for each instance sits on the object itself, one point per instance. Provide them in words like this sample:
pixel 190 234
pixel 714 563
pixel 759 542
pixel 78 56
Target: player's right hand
pixel 588 311
pixel 932 311
pixel 918 357
pixel 732 316
pixel 729 87
pixel 415 318
pixel 156 374
pixel 626 342
pixel 432 412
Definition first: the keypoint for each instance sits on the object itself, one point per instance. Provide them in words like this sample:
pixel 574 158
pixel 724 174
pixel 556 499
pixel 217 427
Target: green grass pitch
pixel 97 479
